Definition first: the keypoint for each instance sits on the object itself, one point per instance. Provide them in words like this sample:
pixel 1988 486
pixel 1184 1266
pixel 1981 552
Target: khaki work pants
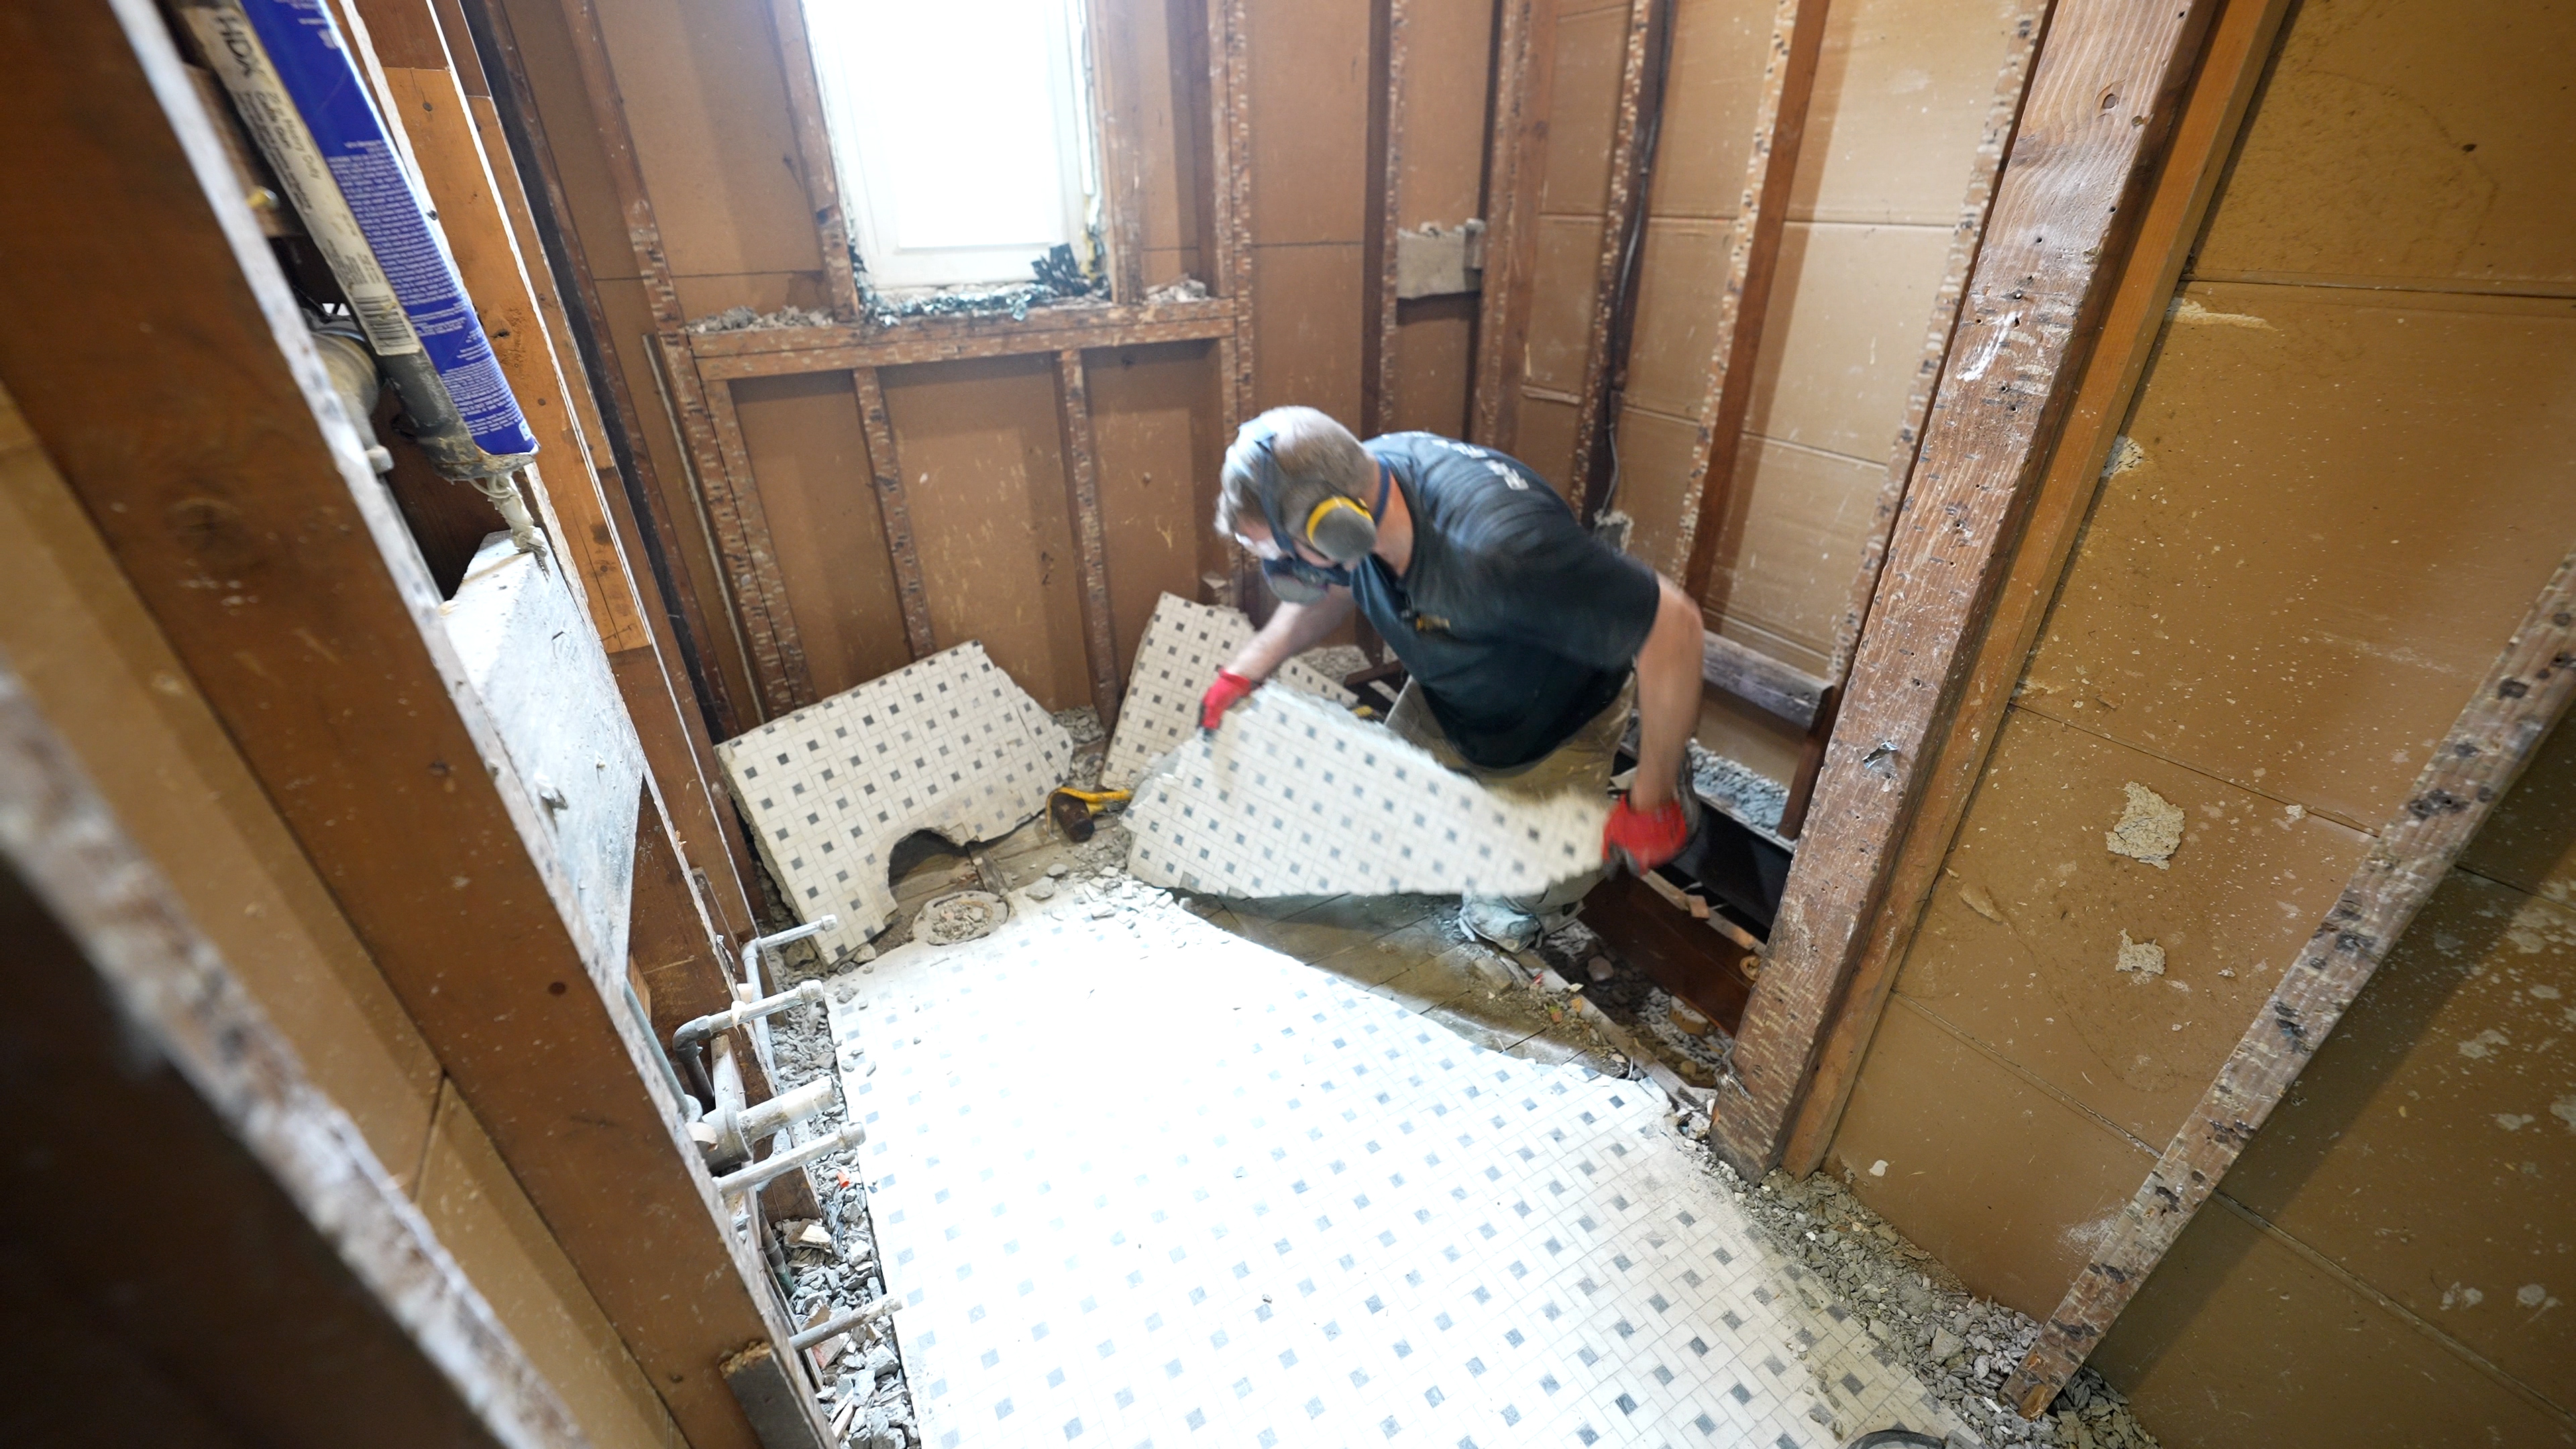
pixel 1584 762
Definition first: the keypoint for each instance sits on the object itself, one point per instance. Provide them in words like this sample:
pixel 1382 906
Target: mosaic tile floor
pixel 1141 1182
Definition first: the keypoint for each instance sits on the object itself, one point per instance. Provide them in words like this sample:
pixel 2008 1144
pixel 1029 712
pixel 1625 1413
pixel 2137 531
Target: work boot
pixel 1502 923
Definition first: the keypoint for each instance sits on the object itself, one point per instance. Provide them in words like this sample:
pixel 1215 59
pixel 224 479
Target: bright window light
pixel 961 130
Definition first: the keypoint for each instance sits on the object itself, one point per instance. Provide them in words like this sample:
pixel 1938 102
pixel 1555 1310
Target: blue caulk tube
pixel 298 90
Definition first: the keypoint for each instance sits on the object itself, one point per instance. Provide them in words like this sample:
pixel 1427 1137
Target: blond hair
pixel 1310 447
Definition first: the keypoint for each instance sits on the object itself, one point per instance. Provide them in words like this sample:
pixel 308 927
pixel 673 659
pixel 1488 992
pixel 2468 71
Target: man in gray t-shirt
pixel 1527 640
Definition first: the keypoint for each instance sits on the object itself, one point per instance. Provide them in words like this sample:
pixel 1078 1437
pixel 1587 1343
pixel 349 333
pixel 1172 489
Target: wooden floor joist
pixel 2521 699
pixel 160 358
pixel 2105 91
pixel 1752 257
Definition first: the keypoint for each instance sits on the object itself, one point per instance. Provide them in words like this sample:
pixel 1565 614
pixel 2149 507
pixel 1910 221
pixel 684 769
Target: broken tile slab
pixel 1295 796
pixel 948 744
pixel 1185 644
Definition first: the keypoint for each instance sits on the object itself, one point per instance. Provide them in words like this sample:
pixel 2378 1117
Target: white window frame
pixel 859 131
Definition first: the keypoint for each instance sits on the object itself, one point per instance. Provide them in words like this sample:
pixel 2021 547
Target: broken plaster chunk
pixel 2146 958
pixel 2149 830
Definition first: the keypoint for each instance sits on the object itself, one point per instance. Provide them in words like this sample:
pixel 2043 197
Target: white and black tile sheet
pixel 948 744
pixel 1137 1181
pixel 1184 645
pixel 1294 796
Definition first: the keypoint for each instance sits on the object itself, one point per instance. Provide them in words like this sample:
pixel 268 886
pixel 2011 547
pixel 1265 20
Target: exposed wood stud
pixel 1811 760
pixel 1753 256
pixel 740 524
pixel 887 471
pixel 1090 546
pixel 1386 213
pixel 814 156
pixel 685 618
pixel 625 169
pixel 1122 164
pixel 2103 97
pixel 1623 226
pixel 1524 89
pixel 2514 708
pixel 1229 87
pixel 2011 81
pixel 2240 40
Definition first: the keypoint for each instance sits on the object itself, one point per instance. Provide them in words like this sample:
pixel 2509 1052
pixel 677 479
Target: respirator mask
pixel 1331 523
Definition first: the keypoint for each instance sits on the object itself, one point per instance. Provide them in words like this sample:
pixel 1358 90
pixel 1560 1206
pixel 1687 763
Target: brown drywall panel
pixel 1546 440
pixel 2338 506
pixel 707 104
pixel 2410 144
pixel 1591 51
pixel 1156 428
pixel 1755 738
pixel 1656 455
pixel 2530 840
pixel 1844 341
pixel 2019 943
pixel 810 457
pixel 1788 544
pixel 1434 360
pixel 572 135
pixel 478 1212
pixel 1308 303
pixel 983 475
pixel 2237 1340
pixel 629 324
pixel 1560 325
pixel 760 291
pixel 1309 107
pixel 1448 58
pixel 1711 91
pixel 2004 1182
pixel 1903 88
pixel 73 630
pixel 2429 1148
pixel 1681 274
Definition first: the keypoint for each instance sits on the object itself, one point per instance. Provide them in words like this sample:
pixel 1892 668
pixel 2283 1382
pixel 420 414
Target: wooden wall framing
pixel 699 369
pixel 2103 99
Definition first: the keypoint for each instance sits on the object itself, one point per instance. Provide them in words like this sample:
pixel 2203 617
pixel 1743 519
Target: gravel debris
pixel 743 319
pixel 1960 1346
pixel 1750 794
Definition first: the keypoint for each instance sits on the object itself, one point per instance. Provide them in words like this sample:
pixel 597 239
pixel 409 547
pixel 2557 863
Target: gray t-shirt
pixel 1519 624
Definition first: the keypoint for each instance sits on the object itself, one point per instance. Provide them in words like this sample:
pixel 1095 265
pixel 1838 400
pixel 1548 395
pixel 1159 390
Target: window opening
pixel 962 136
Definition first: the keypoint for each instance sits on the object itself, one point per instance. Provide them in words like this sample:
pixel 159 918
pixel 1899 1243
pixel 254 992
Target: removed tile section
pixel 1304 1215
pixel 1295 796
pixel 948 744
pixel 1185 644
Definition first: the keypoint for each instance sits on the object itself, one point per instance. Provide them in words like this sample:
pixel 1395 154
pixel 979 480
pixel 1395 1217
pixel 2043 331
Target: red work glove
pixel 1644 839
pixel 1229 690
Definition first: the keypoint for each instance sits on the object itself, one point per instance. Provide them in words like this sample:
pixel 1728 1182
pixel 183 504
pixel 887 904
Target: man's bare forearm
pixel 1668 694
pixel 1293 630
